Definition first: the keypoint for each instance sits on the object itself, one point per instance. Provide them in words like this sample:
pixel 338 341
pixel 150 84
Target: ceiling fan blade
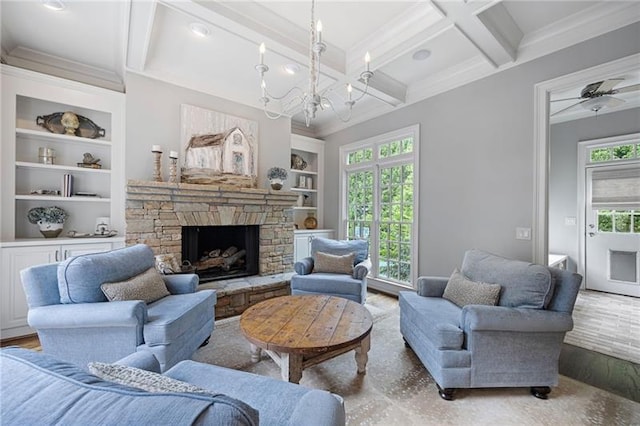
pixel 570 107
pixel 609 84
pixel 565 99
pixel 614 102
pixel 627 89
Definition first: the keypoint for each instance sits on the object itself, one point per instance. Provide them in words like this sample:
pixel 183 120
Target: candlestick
pixel 157 176
pixel 173 168
pixel 156 148
pixel 173 154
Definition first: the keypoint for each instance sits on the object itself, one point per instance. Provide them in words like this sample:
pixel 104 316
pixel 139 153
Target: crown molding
pixel 48 64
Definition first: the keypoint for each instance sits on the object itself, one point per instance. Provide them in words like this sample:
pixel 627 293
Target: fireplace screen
pixel 221 252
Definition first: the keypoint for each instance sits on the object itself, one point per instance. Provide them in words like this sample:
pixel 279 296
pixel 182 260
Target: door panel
pixel 612 242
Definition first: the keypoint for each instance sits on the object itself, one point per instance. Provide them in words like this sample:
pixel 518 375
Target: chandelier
pixel 312 99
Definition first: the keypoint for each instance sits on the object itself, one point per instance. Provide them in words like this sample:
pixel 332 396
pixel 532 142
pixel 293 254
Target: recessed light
pixel 291 69
pixel 421 55
pixel 53 4
pixel 199 29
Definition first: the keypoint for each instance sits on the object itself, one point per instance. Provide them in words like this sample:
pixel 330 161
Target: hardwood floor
pixel 27 342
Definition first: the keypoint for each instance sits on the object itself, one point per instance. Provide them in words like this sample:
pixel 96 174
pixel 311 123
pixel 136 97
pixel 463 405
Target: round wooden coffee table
pixel 300 331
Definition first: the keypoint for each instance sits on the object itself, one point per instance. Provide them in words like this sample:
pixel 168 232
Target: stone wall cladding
pixel 156 211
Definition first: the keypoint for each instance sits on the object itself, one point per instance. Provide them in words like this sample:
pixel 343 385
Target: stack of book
pixel 67 185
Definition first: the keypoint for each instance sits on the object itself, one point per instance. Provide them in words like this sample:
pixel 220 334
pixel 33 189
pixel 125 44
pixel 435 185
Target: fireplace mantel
pixel 157 211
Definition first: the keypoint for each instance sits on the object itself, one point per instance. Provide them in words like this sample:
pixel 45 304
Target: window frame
pixel 375 165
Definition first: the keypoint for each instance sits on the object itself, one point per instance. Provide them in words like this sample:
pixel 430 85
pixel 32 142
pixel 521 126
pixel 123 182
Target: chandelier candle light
pixel 310 100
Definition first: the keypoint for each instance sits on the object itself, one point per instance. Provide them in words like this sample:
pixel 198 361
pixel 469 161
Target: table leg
pixel 256 353
pixel 362 354
pixel 291 367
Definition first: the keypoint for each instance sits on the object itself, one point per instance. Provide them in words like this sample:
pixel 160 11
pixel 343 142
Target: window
pixel 624 151
pixel 379 202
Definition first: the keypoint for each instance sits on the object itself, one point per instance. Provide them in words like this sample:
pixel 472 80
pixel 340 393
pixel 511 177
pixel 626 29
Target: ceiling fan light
pixel 56 5
pixel 596 104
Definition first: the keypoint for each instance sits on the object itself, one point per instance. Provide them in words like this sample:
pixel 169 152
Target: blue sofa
pixel 76 323
pixel 39 389
pixel 514 344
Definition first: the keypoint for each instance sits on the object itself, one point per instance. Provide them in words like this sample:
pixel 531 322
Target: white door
pixel 613 229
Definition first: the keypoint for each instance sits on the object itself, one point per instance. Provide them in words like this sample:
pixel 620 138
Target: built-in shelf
pixel 304 172
pixel 46 136
pixel 31 165
pixel 305 208
pixel 76 198
pixel 303 190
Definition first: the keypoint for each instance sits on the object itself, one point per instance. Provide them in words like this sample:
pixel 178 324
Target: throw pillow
pixel 462 292
pixel 326 262
pixel 141 379
pixel 148 286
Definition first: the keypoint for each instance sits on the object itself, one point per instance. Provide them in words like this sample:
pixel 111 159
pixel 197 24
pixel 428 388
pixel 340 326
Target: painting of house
pixel 218 148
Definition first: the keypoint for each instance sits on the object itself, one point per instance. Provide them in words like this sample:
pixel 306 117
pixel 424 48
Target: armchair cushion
pixel 524 284
pixel 80 277
pixel 341 247
pixel 462 291
pixel 148 286
pixel 336 264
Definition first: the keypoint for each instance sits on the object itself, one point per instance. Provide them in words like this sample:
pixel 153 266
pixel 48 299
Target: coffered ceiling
pixel 99 41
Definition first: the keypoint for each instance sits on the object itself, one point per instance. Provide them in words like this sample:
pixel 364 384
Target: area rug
pixel 397 389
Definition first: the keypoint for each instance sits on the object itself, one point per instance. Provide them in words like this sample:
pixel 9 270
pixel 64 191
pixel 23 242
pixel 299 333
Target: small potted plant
pixel 49 219
pixel 277 176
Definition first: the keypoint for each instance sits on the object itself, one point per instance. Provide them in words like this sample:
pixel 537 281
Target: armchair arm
pixel 304 266
pixel 86 315
pixel 143 360
pixel 432 286
pixel 362 269
pixel 500 318
pixel 181 283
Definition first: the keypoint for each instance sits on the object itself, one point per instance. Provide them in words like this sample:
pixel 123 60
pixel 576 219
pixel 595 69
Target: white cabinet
pixel 302 241
pixel 18 256
pixel 306 179
pixel 28 180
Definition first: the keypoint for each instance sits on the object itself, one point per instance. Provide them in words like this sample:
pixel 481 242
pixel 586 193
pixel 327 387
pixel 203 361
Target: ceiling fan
pixel 596 96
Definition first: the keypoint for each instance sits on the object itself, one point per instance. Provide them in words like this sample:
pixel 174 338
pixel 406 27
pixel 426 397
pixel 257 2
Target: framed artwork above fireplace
pixel 218 148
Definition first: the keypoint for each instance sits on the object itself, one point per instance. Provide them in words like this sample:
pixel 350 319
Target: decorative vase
pixel 276 184
pixel 50 230
pixel 310 222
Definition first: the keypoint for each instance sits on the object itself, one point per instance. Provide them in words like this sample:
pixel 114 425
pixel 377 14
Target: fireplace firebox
pixel 221 252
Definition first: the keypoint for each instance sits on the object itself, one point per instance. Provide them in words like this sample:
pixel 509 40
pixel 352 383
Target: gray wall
pixel 476 155
pixel 563 173
pixel 153 118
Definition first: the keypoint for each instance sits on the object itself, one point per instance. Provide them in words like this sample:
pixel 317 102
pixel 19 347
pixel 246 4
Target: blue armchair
pixel 514 344
pixel 76 323
pixel 346 280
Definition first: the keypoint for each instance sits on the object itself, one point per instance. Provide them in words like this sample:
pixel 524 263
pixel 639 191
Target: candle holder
pixel 173 169
pixel 157 176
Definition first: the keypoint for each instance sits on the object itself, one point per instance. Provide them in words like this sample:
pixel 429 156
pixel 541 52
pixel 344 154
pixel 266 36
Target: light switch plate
pixel 523 233
pixel 570 221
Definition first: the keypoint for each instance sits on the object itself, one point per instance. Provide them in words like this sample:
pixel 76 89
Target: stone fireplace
pixel 156 212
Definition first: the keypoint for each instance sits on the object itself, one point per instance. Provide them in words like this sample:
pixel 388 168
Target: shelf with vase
pixel 60 198
pixel 47 137
pixel 28 164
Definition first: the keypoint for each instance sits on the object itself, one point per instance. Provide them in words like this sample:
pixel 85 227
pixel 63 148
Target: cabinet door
pixel 14 301
pixel 79 249
pixel 301 247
